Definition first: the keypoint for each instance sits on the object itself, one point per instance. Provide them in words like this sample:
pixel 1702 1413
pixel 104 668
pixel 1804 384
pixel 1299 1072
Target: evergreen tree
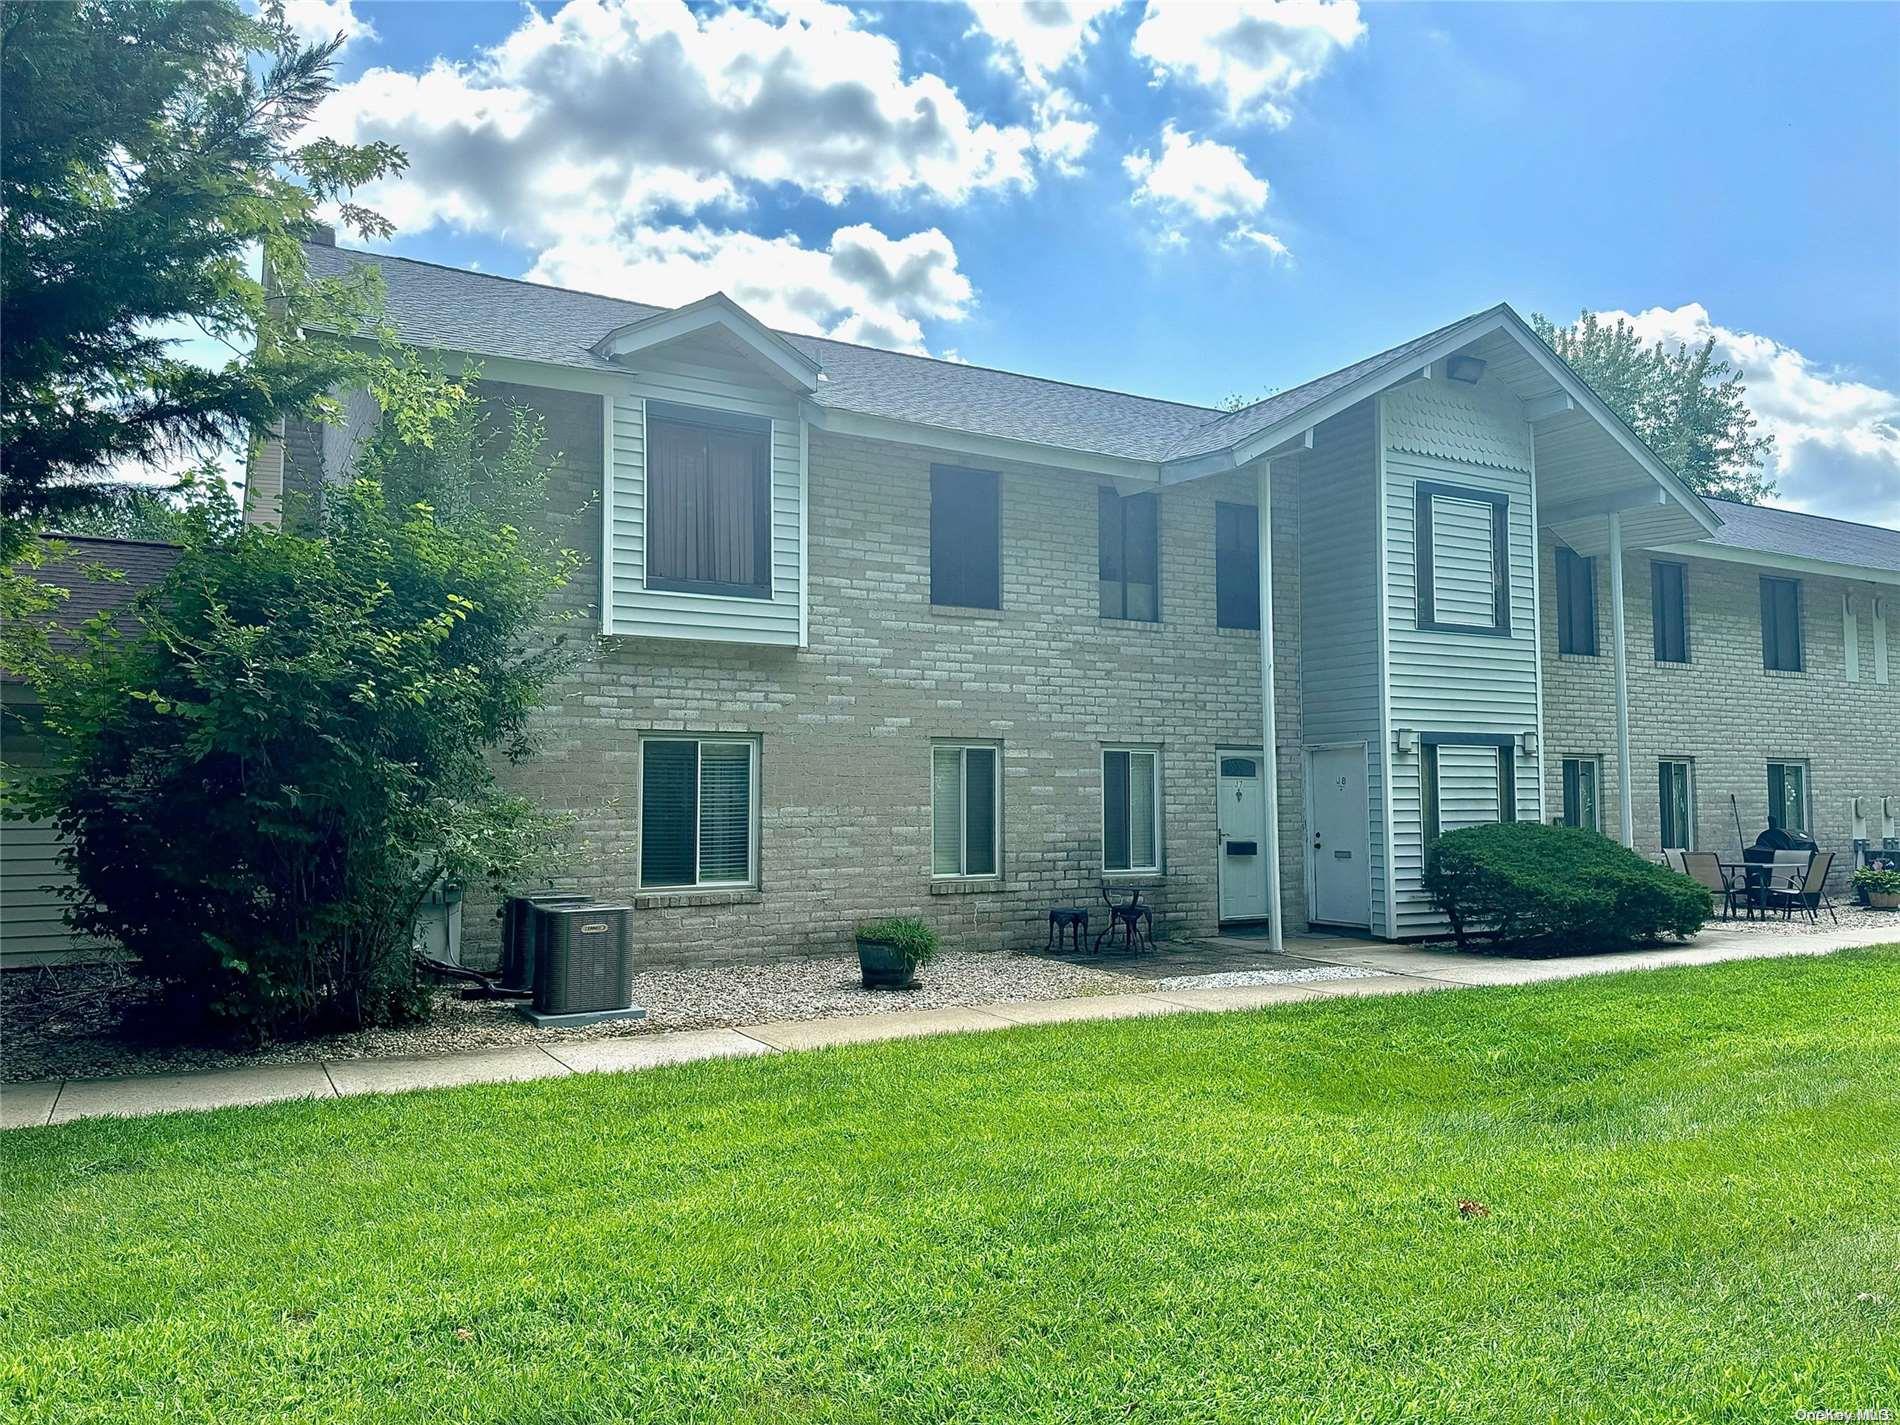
pixel 150 154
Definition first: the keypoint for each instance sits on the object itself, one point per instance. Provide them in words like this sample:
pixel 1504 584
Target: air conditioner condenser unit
pixel 583 965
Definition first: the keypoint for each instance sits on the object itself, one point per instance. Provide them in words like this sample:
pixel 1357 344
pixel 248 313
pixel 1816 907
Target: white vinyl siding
pixel 966 805
pixel 1339 608
pixel 1444 680
pixel 1464 575
pixel 699 374
pixel 33 927
pixel 1466 786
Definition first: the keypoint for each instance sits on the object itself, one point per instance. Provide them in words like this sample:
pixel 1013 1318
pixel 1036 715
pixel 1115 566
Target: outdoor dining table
pixel 1130 916
pixel 1754 883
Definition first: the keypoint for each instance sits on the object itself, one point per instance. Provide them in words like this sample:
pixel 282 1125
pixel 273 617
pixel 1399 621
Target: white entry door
pixel 1340 835
pixel 1242 823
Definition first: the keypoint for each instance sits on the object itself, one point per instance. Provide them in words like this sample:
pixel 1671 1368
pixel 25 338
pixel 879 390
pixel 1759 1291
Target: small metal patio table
pixel 1132 918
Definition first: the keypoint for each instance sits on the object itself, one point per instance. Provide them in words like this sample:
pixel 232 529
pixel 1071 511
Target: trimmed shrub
pixel 1558 888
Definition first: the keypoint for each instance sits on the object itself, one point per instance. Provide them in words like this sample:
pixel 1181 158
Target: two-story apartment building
pixel 883 634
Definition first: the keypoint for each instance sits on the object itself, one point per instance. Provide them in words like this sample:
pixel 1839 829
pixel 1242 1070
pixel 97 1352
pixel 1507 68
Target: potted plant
pixel 1881 887
pixel 890 952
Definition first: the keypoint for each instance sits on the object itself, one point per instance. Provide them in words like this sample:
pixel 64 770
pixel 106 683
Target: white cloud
pixel 609 110
pixel 1253 57
pixel 317 21
pixel 1036 38
pixel 1837 439
pixel 1205 181
pixel 864 286
pixel 1064 131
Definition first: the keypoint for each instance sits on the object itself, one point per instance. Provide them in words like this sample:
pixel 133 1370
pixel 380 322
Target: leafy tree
pixel 163 514
pixel 1686 405
pixel 151 153
pixel 262 778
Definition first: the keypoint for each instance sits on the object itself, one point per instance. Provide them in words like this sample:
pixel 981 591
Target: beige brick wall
pixel 1722 709
pixel 846 724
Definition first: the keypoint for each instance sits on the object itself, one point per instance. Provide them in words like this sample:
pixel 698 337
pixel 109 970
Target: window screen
pixel 1131 830
pixel 1676 797
pixel 1580 793
pixel 964 802
pixel 1669 611
pixel 1236 565
pixel 1788 796
pixel 698 811
pixel 1576 603
pixel 966 559
pixel 1128 537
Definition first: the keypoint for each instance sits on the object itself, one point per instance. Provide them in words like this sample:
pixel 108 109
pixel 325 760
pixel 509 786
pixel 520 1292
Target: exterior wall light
pixel 1529 741
pixel 1405 741
pixel 1468 369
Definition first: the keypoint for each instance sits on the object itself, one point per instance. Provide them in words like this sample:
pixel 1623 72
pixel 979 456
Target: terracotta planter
pixel 1884 900
pixel 883 967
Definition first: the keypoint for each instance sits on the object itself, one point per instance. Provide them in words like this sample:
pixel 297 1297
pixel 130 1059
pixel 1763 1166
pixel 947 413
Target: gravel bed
pixel 1227 978
pixel 1853 917
pixel 94 1021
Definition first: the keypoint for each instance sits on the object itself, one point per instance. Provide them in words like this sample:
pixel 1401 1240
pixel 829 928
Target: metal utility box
pixel 518 930
pixel 583 964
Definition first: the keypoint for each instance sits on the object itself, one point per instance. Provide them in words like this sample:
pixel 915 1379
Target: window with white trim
pixel 1131 809
pixel 966 809
pixel 699 812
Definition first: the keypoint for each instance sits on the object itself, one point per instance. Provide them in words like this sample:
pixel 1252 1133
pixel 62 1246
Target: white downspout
pixel 1269 730
pixel 1620 653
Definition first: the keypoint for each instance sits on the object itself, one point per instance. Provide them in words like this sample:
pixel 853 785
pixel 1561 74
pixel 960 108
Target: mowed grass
pixel 1692 1177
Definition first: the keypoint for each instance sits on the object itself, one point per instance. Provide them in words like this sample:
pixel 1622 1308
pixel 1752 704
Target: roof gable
pixel 715 313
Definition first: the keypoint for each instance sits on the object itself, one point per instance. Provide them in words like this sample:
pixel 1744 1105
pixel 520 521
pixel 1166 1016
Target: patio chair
pixel 1705 868
pixel 1807 889
pixel 1672 858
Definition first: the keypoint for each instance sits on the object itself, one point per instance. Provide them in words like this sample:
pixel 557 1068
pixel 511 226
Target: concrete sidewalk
pixel 1395 969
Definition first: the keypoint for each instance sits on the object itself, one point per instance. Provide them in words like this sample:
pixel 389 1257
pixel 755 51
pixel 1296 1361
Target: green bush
pixel 1877 882
pixel 913 940
pixel 1557 888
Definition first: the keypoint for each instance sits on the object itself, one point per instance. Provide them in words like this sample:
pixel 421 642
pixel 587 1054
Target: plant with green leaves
pixel 1877 881
pixel 153 153
pixel 1687 405
pixel 910 939
pixel 1565 889
pixel 262 778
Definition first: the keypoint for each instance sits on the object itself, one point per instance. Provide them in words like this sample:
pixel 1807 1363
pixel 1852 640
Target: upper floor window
pixel 708 502
pixel 1131 809
pixel 1128 538
pixel 699 811
pixel 1236 566
pixel 1576 602
pixel 1788 796
pixel 1781 624
pixel 1669 611
pixel 1464 571
pixel 966 556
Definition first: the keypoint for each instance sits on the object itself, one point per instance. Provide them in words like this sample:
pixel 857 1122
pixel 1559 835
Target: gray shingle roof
pixel 446 307
pixel 101 575
pixel 450 308
pixel 1762 529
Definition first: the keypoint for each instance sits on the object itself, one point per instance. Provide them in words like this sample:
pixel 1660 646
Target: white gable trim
pixel 1786 563
pixel 719 311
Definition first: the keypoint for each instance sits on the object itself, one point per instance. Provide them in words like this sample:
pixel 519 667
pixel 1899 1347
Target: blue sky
pixel 1186 201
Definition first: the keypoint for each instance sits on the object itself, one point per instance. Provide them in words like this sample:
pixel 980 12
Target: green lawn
pixel 1693 1179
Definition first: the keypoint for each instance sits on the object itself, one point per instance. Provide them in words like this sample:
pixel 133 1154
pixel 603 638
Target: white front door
pixel 1240 818
pixel 1339 835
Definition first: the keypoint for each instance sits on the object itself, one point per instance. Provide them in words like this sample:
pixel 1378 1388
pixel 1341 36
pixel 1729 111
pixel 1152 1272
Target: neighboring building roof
pixel 1763 529
pixel 102 575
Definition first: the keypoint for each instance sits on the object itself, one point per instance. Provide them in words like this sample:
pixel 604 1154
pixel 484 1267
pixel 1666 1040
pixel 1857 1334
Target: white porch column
pixel 1269 730
pixel 1620 654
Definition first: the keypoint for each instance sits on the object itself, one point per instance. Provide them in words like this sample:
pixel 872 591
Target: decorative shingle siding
pixel 1724 711
pixel 847 722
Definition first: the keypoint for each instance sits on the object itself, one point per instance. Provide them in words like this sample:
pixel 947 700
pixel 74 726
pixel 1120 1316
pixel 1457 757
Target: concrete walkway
pixel 1396 969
